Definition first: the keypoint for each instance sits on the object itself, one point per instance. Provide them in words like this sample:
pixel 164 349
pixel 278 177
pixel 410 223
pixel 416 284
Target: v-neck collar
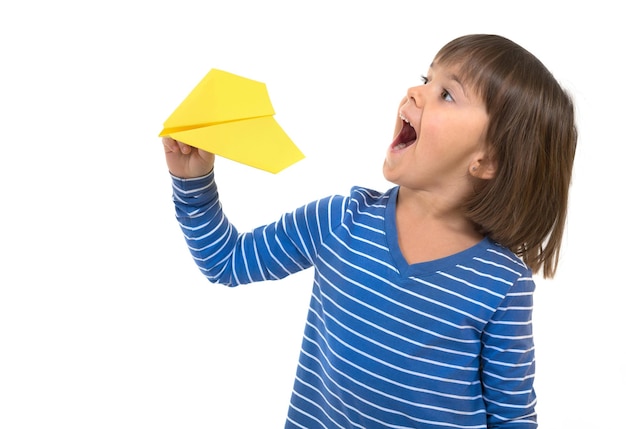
pixel 422 268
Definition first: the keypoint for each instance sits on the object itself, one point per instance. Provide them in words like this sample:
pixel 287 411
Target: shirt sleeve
pixel 508 361
pixel 270 252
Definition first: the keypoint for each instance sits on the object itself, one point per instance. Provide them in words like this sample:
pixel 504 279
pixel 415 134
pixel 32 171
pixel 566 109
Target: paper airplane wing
pixel 258 142
pixel 232 116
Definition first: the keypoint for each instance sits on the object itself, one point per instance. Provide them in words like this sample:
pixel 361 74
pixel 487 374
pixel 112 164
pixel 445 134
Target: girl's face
pixel 439 141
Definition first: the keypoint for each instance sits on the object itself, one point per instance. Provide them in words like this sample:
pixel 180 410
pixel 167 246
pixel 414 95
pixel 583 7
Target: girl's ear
pixel 484 168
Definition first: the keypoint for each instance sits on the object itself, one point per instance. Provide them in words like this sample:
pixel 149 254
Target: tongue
pixel 405 137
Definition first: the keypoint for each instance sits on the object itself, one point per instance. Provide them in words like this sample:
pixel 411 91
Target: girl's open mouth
pixel 406 137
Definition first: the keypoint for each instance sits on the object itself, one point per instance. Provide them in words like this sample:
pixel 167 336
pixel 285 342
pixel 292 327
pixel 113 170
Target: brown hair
pixel 532 134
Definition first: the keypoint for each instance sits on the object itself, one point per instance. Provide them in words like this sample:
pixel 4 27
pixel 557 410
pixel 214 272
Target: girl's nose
pixel 414 94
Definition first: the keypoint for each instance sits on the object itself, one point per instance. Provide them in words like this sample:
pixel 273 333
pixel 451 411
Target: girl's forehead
pixel 449 66
pixel 455 72
pixel 451 70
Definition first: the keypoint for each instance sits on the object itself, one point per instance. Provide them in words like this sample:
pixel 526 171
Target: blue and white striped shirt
pixel 440 344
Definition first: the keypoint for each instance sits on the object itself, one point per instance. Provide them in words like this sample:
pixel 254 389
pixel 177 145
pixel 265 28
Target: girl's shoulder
pixel 496 258
pixel 371 199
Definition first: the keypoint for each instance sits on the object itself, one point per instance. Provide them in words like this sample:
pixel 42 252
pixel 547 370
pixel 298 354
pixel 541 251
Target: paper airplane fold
pixel 232 116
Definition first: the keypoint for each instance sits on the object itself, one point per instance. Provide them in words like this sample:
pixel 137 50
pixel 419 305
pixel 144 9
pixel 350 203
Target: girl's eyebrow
pixel 453 77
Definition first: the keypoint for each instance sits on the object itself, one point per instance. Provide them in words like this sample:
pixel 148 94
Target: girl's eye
pixel 446 96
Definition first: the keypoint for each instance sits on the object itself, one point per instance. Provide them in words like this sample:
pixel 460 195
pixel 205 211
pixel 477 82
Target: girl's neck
pixel 430 227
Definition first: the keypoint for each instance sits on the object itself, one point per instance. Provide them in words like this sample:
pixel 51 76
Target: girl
pixel 420 314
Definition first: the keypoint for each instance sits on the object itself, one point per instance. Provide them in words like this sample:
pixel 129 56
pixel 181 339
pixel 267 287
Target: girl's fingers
pixel 172 145
pixel 184 148
pixel 169 144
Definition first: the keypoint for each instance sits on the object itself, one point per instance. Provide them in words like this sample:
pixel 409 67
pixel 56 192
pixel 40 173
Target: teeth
pixel 405 119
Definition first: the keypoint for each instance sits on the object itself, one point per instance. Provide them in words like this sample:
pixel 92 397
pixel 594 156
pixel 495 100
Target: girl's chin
pixel 392 160
pixel 389 173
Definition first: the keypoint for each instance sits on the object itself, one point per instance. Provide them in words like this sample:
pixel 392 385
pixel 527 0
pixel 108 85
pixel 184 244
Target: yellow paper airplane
pixel 232 116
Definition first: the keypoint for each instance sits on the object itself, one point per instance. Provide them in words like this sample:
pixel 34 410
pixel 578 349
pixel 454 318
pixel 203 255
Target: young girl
pixel 420 314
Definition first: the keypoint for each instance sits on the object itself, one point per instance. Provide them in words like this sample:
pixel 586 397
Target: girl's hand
pixel 185 161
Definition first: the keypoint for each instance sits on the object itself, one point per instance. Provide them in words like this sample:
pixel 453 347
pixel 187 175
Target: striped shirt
pixel 441 344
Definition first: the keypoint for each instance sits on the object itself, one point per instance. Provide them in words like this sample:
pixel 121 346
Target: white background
pixel 104 320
